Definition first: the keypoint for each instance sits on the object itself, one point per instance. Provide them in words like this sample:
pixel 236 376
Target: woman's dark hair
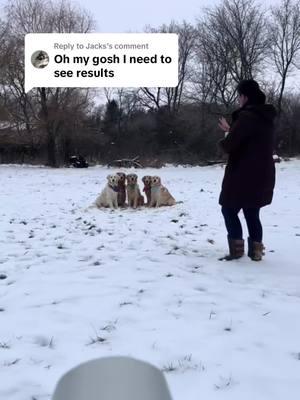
pixel 251 89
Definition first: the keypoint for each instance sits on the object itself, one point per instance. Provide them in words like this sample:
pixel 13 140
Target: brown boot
pixel 236 249
pixel 255 250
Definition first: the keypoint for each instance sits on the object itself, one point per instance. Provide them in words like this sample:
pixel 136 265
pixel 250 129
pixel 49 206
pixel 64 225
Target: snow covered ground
pixel 84 283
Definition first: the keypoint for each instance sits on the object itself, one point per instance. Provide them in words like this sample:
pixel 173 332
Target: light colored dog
pixel 122 189
pixel 109 195
pixel 147 188
pixel 134 196
pixel 160 196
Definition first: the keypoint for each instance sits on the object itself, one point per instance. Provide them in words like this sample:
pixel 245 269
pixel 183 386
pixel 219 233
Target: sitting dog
pixel 160 196
pixel 135 199
pixel 109 195
pixel 122 189
pixel 147 188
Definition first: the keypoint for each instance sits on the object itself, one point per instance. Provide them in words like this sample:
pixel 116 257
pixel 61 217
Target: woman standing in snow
pixel 250 172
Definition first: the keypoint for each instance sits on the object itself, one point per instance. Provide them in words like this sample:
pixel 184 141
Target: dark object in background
pixel 78 162
pixel 126 163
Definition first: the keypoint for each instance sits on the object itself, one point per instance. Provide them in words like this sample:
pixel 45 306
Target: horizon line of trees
pixel 231 41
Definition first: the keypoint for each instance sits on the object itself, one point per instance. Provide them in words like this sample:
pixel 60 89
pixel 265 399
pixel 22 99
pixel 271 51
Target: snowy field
pixel 89 283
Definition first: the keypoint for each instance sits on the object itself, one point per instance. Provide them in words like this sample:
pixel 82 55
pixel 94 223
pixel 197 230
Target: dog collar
pixel 155 187
pixel 114 188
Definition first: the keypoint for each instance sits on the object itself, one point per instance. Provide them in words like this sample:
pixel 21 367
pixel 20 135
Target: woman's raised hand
pixel 223 124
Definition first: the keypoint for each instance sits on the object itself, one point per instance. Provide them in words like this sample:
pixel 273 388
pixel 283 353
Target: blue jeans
pixel 234 227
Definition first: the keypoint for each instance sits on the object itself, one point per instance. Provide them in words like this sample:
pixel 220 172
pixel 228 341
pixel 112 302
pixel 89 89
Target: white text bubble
pixel 101 60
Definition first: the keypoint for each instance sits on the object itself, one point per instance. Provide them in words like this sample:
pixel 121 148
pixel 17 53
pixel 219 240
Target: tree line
pixel 231 41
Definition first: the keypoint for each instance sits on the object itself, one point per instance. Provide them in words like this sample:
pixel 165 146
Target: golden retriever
pixel 147 188
pixel 109 195
pixel 122 189
pixel 134 196
pixel 160 196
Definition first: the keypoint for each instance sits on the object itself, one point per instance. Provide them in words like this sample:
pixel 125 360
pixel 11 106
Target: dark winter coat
pixel 250 172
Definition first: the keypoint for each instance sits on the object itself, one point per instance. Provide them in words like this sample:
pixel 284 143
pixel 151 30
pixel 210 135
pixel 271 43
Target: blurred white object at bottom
pixel 113 378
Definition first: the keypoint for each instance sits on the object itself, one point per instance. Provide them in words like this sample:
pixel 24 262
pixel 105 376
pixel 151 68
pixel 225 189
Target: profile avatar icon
pixel 40 59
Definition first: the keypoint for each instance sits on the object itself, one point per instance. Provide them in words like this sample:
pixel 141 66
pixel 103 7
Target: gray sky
pixel 133 15
pixel 126 15
pixel 121 16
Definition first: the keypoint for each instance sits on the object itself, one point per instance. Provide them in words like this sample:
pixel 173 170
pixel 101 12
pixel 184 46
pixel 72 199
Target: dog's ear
pixel 108 177
pixel 143 179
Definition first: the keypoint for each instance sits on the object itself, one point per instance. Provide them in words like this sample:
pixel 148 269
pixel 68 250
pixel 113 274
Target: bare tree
pixel 3 59
pixel 213 80
pixel 231 46
pixel 126 103
pixel 41 109
pixel 126 98
pixel 284 29
pixel 3 43
pixel 154 98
